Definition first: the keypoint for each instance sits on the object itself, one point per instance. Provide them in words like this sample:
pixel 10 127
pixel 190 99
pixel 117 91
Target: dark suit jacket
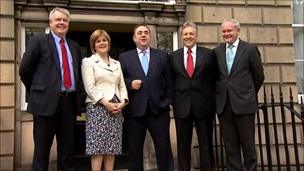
pixel 197 92
pixel 157 87
pixel 243 82
pixel 41 74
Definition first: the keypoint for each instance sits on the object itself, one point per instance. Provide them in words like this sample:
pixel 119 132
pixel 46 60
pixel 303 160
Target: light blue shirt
pixel 230 53
pixel 235 45
pixel 140 54
pixel 70 59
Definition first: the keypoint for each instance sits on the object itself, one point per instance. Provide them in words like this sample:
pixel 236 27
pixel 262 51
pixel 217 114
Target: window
pixel 167 41
pixel 26 33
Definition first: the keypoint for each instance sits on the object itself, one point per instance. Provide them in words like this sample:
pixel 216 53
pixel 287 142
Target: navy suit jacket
pixel 156 90
pixel 41 74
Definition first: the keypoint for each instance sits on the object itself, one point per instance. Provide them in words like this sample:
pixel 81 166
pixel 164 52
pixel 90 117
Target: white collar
pixel 235 43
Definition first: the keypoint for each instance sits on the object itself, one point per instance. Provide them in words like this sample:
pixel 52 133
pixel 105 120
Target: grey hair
pixel 189 24
pixel 62 10
pixel 234 21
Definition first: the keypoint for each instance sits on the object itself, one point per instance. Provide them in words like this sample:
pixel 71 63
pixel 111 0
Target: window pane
pixel 165 41
pixel 29 32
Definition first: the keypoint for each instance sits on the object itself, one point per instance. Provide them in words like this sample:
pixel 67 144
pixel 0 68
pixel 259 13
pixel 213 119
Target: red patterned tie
pixel 66 68
pixel 190 67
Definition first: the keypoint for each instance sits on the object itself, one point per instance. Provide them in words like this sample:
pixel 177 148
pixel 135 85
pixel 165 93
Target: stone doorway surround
pixel 85 15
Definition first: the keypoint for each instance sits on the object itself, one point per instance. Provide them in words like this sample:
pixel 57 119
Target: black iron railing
pixel 280 132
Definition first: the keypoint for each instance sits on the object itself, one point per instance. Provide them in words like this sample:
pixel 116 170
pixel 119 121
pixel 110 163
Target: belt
pixel 66 93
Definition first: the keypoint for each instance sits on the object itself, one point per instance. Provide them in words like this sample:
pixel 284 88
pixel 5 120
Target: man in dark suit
pixel 194 72
pixel 239 79
pixel 148 79
pixel 50 71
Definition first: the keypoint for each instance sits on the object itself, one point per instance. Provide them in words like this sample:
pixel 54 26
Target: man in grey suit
pixel 50 71
pixel 240 76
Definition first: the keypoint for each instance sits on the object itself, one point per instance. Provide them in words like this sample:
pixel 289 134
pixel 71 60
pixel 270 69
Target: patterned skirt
pixel 103 131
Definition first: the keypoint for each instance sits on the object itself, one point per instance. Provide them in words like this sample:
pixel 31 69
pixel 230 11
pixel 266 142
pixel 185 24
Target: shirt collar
pixel 57 38
pixel 235 44
pixel 139 51
pixel 193 49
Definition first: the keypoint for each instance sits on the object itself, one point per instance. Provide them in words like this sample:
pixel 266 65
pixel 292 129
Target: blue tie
pixel 144 62
pixel 229 57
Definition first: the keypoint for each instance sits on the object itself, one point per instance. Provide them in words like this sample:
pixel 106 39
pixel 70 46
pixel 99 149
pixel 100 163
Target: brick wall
pixel 7 84
pixel 266 23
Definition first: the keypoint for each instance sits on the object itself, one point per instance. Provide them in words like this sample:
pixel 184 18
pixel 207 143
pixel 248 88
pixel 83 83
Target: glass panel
pixel 156 0
pixel 29 32
pixel 140 0
pixel 298 30
pixel 136 1
pixel 165 41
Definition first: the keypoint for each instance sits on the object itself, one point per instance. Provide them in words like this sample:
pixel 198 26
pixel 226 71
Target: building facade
pixel 266 23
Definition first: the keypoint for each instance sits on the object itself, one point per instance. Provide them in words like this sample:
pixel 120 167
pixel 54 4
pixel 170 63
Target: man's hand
pixel 136 84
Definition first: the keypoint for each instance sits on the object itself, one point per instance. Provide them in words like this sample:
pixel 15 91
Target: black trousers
pixel 158 126
pixel 184 131
pixel 60 124
pixel 238 132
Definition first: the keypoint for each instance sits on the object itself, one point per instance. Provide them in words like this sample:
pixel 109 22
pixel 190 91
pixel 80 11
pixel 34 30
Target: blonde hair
pixel 95 35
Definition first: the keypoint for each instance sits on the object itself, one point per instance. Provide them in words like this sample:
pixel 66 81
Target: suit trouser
pixel 184 129
pixel 158 126
pixel 210 125
pixel 60 124
pixel 238 132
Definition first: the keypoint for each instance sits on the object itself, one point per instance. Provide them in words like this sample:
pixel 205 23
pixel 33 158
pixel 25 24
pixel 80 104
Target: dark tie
pixel 190 67
pixel 65 64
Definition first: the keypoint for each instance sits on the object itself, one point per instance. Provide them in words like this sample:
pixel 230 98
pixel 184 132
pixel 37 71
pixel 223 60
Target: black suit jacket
pixel 197 92
pixel 157 87
pixel 243 82
pixel 41 74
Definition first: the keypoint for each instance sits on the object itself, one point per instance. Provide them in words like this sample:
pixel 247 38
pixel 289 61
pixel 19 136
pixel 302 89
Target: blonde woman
pixel 106 97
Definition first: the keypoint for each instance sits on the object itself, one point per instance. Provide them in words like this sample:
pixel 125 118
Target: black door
pixel 120 42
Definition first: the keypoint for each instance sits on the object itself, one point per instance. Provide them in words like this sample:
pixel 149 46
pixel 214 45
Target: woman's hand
pixel 121 105
pixel 110 107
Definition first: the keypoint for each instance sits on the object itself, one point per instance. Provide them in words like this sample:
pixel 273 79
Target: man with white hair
pixel 50 71
pixel 240 76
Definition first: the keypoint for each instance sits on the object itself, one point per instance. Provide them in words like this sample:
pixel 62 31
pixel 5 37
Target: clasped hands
pixel 113 108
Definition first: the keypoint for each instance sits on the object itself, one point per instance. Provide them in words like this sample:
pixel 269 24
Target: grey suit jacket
pixel 41 74
pixel 243 82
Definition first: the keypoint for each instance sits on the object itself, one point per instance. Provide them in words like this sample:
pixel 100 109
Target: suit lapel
pixel 181 65
pixel 222 58
pixel 153 60
pixel 100 63
pixel 135 60
pixel 74 57
pixel 238 53
pixel 54 51
pixel 198 61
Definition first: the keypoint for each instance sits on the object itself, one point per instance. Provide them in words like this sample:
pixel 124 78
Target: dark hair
pixel 139 25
